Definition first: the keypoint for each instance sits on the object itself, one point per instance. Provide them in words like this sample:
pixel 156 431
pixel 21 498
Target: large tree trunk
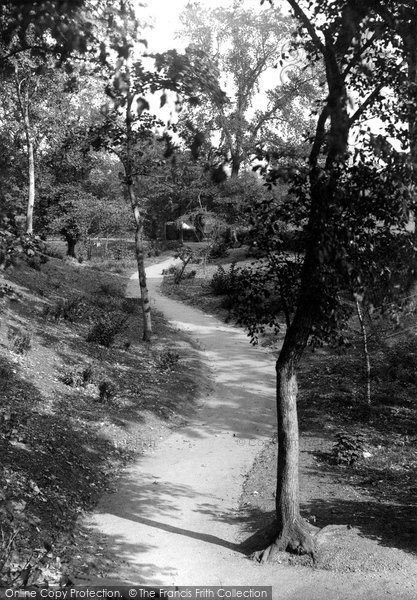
pixel 365 349
pixel 410 44
pixel 71 243
pixel 290 532
pixel 236 163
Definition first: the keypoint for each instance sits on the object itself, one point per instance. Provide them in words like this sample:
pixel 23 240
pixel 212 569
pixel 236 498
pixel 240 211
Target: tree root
pixel 295 538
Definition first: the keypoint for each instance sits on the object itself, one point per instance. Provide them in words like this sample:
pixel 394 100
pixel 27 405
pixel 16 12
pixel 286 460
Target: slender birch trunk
pixel 365 349
pixel 137 214
pixel 24 104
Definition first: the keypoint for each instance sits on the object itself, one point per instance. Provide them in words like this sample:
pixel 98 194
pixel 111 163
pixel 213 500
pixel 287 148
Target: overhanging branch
pixel 300 14
pixel 365 104
pixel 358 55
pixel 319 137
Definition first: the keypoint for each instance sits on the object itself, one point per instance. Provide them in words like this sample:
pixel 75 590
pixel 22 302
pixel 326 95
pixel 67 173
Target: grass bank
pixel 81 395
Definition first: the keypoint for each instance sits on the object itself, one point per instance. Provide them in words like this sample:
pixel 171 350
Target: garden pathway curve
pixel 173 518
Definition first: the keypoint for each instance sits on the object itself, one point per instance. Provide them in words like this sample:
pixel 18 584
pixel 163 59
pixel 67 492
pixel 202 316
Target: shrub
pixel 170 270
pixel 107 390
pixel 69 309
pixel 35 262
pixel 54 251
pixel 79 376
pixel 153 249
pixel 6 373
pixel 106 304
pixel 129 305
pixel 224 282
pixel 106 328
pixel 219 249
pixel 401 362
pixel 167 360
pixel 293 240
pixel 170 245
pixel 178 273
pixel 118 269
pixel 7 292
pixel 348 448
pixel 110 289
pixel 20 341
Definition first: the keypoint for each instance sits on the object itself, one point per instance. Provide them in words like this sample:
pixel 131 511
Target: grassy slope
pixel 61 445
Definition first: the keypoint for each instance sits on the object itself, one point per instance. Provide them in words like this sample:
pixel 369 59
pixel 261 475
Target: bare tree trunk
pixel 285 308
pixel 24 102
pixel 365 351
pixel 290 531
pixel 410 44
pixel 139 246
pixel 31 173
pixel 235 166
pixel 140 259
pixel 71 243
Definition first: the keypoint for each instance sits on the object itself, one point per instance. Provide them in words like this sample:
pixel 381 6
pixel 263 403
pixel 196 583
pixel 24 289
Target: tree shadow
pixel 160 504
pixel 383 509
pixel 54 461
pixel 393 526
pixel 149 514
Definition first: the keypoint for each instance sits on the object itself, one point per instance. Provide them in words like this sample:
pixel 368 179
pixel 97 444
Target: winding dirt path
pixel 173 519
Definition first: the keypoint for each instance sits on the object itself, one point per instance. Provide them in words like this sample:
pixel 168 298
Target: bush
pixel 106 328
pixel 79 376
pixel 54 252
pixel 107 390
pixel 118 269
pixel 293 240
pixel 35 262
pixel 16 247
pixel 167 360
pixel 110 289
pixel 20 341
pixel 401 362
pixel 7 292
pixel 219 249
pixel 6 373
pixel 348 448
pixel 171 270
pixel 178 275
pixel 129 305
pixel 224 282
pixel 69 309
pixel 178 272
pixel 106 304
pixel 117 253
